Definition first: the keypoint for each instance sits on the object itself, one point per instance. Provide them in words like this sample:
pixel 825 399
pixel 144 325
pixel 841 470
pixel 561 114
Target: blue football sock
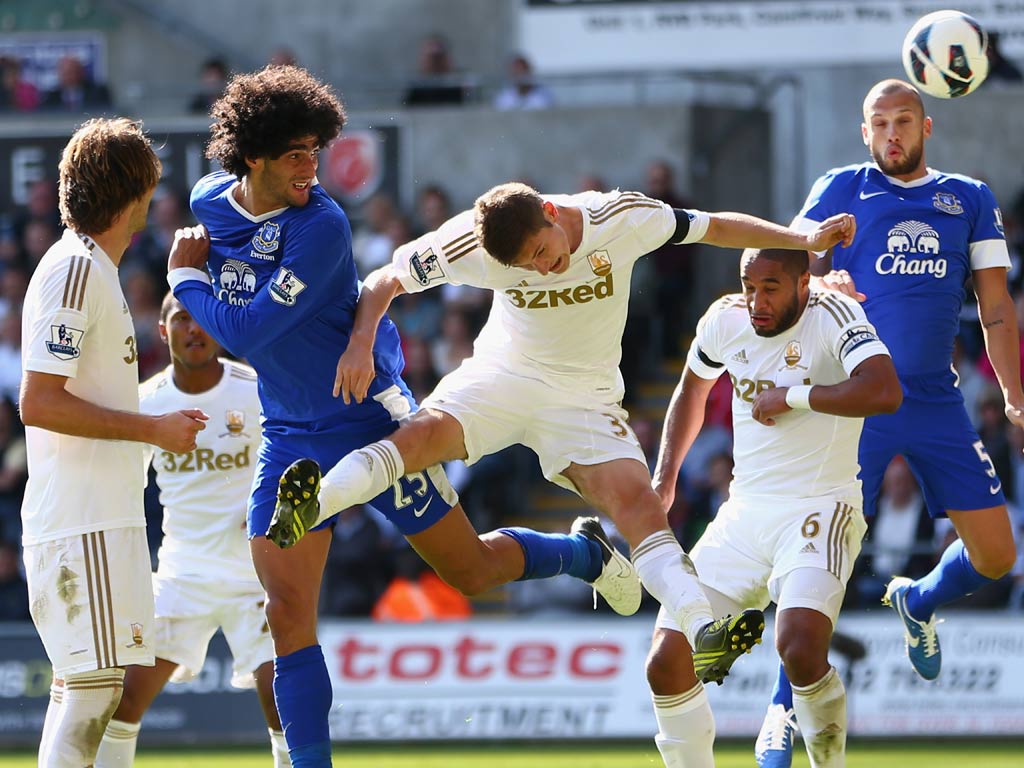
pixel 302 691
pixel 311 755
pixel 549 554
pixel 782 693
pixel 954 577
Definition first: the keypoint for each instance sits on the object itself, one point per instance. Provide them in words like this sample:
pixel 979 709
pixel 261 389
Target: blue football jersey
pixel 916 245
pixel 282 294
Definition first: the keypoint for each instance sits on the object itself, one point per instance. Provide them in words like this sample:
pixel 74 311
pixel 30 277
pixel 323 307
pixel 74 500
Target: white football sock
pixel 821 714
pixel 686 729
pixel 117 750
pixel 280 749
pixel 359 477
pixel 52 711
pixel 90 699
pixel 667 573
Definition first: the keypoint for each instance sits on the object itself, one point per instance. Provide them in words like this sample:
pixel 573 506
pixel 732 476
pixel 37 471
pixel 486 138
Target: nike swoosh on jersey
pixel 867 195
pixel 419 512
pixel 994 489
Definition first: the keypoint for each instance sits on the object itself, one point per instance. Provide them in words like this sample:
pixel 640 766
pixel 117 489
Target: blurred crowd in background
pixel 371 571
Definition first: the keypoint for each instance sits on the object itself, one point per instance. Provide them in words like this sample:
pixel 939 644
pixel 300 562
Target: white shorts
pixel 750 548
pixel 188 614
pixel 91 599
pixel 498 408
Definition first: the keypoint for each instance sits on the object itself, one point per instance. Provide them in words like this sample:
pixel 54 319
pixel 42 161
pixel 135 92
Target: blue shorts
pixel 942 449
pixel 413 504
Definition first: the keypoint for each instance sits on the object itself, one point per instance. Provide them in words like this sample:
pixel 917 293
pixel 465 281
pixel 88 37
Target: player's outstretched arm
pixel 46 403
pixel 741 230
pixel 1002 337
pixel 355 367
pixel 683 421
pixel 872 388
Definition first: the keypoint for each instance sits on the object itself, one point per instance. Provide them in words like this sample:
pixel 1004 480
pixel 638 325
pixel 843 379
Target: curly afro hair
pixel 261 113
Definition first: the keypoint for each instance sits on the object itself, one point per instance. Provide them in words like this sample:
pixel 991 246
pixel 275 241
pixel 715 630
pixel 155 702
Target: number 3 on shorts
pixel 619 428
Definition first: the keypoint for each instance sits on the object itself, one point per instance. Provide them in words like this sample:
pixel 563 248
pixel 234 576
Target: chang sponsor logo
pixel 237 281
pixel 912 248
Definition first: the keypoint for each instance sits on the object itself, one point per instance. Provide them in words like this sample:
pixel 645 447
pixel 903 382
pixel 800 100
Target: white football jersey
pixel 564 329
pixel 76 324
pixel 205 492
pixel 806 453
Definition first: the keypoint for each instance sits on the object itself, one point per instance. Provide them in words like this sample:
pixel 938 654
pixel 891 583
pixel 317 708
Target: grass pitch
pixel 614 755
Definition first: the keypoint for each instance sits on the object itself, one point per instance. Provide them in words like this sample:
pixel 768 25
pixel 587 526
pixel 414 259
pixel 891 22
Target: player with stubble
pixel 806 368
pixel 924 234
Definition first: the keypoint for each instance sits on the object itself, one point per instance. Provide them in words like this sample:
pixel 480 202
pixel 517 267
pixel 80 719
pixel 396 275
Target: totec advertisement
pixel 560 678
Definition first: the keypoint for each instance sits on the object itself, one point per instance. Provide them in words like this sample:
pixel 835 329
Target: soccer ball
pixel 946 54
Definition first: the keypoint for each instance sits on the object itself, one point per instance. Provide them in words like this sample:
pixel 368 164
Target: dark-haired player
pixel 283 295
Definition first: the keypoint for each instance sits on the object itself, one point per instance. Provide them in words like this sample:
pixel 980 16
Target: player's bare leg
pixel 988 537
pixel 622 490
pixel 141 686
pixel 472 564
pixel 475 563
pixel 802 638
pixel 302 684
pixel 292 579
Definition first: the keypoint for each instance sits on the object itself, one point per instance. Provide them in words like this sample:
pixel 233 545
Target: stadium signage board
pixel 581 36
pixel 578 678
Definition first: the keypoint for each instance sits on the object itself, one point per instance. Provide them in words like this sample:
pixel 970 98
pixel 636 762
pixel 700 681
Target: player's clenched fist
pixel 835 230
pixel 191 248
pixel 177 431
pixel 769 404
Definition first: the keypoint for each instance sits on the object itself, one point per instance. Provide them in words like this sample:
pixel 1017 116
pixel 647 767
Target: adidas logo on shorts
pixel 809 549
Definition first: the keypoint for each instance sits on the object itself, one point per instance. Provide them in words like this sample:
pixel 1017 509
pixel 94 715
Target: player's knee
pixel 805 658
pixel 996 563
pixel 637 513
pixel 669 670
pixel 470 582
pixel 288 610
pixel 131 708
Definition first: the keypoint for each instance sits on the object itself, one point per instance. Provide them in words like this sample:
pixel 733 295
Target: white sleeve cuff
pixel 986 254
pixel 183 274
